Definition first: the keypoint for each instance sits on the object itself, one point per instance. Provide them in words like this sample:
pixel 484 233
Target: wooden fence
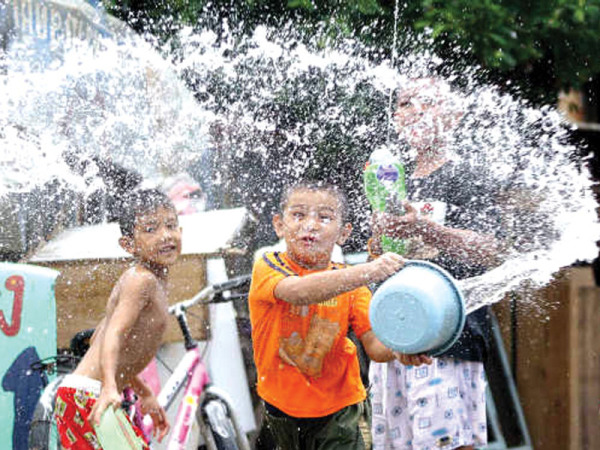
pixel 552 338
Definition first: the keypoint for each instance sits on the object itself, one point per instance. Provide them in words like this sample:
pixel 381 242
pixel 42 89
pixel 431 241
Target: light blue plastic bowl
pixel 418 310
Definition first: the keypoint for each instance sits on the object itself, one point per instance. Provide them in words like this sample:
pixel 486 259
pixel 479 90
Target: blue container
pixel 418 310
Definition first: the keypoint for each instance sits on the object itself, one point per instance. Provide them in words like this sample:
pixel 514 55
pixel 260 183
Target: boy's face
pixel 156 238
pixel 311 225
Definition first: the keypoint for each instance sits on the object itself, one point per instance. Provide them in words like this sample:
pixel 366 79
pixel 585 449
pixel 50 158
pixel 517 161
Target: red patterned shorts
pixel 72 411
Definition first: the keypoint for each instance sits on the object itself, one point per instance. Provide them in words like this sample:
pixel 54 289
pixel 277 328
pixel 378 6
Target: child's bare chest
pixel 153 318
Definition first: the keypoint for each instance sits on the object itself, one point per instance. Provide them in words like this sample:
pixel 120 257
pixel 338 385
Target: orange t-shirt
pixel 306 365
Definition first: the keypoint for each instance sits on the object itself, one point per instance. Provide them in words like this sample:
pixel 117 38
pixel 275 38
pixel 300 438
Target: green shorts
pixel 339 430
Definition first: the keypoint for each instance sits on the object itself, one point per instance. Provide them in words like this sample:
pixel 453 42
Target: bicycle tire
pixel 215 415
pixel 42 431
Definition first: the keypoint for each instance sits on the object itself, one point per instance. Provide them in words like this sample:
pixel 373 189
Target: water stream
pixel 243 102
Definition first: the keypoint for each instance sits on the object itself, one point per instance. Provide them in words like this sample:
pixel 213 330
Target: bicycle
pixel 218 422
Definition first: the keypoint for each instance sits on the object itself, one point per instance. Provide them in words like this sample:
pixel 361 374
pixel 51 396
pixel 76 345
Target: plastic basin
pixel 418 310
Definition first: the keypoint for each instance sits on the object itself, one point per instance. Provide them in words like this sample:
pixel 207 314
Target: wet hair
pixel 316 186
pixel 138 203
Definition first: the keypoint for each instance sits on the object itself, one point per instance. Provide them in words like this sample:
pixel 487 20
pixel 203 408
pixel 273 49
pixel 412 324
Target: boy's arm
pixel 135 292
pixel 149 405
pixel 380 353
pixel 321 286
pixel 468 246
pixel 140 387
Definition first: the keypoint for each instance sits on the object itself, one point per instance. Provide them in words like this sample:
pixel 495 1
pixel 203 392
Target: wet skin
pixel 142 340
pixel 311 225
pixel 131 333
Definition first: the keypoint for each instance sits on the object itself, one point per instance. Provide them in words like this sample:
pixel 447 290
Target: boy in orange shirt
pixel 301 305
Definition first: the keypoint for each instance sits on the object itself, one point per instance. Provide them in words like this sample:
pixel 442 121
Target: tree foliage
pixel 536 46
pixel 544 46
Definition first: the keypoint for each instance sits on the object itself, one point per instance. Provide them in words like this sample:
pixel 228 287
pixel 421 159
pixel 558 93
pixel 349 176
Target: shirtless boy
pixel 129 336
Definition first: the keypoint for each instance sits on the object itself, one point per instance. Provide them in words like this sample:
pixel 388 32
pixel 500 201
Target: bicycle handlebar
pixel 231 284
pixel 211 294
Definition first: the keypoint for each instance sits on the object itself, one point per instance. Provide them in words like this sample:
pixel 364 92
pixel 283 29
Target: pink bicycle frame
pixel 190 367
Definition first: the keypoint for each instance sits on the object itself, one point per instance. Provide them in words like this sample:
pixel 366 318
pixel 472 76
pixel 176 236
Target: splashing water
pixel 113 98
pixel 549 215
pixel 252 100
pixel 550 212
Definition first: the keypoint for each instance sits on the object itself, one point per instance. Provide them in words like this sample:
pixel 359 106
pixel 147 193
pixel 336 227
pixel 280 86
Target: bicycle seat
pixel 80 343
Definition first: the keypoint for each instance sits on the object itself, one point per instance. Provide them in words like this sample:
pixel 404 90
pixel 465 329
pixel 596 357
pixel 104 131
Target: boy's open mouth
pixel 167 248
pixel 308 239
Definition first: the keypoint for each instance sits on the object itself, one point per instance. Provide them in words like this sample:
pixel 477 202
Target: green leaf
pixel 306 4
pixel 499 39
pixel 579 15
pixel 438 29
pixel 369 7
pixel 422 24
pixel 508 59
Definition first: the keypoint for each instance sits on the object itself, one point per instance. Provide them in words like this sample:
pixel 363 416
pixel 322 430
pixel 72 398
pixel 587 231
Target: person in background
pixel 450 220
pixel 185 193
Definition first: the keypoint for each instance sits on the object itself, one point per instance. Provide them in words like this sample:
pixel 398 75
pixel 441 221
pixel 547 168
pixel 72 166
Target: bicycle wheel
pixel 219 430
pixel 42 432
